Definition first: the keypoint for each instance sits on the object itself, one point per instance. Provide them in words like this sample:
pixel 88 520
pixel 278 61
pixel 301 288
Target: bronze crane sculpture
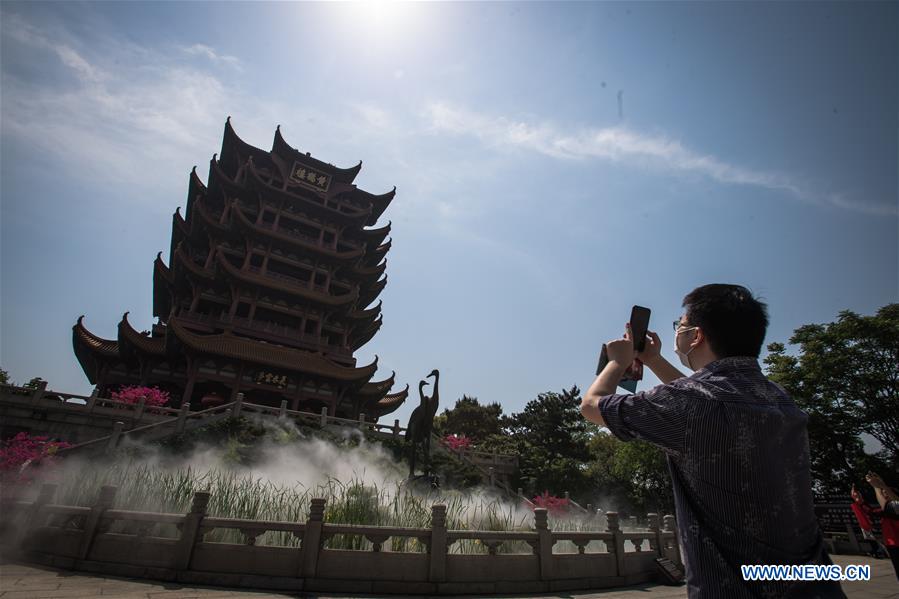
pixel 433 403
pixel 421 423
pixel 416 426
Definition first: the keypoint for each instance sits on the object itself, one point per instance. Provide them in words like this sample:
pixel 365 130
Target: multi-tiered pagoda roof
pixel 268 290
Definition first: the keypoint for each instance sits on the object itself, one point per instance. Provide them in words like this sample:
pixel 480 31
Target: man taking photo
pixel 737 446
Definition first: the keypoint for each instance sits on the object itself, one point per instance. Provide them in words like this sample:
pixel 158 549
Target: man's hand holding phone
pixel 652 350
pixel 621 351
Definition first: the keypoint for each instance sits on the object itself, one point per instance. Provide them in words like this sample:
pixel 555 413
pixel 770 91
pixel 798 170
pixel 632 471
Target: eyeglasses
pixel 680 327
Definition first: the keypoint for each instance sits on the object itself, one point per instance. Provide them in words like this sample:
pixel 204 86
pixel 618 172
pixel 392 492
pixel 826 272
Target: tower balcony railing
pixel 200 318
pixel 288 279
pixel 277 332
pixel 290 232
pixel 287 334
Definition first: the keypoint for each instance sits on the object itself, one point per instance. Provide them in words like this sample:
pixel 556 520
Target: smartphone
pixel 639 325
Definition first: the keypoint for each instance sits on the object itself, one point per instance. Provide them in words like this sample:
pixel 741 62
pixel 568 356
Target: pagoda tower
pixel 268 290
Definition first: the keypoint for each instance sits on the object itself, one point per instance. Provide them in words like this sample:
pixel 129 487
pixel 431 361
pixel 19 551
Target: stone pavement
pixel 26 581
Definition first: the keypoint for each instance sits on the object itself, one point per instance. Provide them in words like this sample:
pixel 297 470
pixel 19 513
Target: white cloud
pixel 139 120
pixel 211 54
pixel 619 144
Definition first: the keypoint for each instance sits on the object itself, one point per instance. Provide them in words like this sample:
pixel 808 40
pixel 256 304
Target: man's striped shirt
pixel 737 449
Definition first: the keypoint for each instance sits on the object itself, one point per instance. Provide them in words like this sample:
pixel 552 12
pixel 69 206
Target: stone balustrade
pixel 301 556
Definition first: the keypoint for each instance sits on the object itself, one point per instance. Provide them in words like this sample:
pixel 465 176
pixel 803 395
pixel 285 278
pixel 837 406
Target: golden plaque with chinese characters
pixel 309 177
pixel 268 378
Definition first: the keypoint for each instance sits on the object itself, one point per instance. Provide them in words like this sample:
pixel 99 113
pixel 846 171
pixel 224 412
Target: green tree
pixel 551 437
pixel 631 477
pixel 471 419
pixel 846 377
pixel 4 378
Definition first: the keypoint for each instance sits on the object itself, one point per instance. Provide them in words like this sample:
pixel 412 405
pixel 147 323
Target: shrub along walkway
pixel 27 581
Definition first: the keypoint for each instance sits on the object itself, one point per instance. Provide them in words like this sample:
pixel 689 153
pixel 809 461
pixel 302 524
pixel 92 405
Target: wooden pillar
pixel 101 380
pixel 253 304
pixel 211 255
pixel 195 298
pixel 268 253
pixel 146 366
pixel 235 299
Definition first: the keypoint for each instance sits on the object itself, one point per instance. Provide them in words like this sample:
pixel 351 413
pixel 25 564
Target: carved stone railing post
pixel 491 474
pixel 437 548
pixel 236 407
pixel 670 525
pixel 362 421
pixel 190 530
pixel 92 523
pixel 396 428
pixel 544 543
pixel 115 436
pixel 282 413
pixel 655 541
pixel 617 546
pixel 92 400
pixel 139 411
pixel 35 518
pixel 182 417
pixel 324 417
pixel 312 537
pixel 38 394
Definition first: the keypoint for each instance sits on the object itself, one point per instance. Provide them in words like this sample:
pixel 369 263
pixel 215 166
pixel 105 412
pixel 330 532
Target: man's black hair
pixel 730 317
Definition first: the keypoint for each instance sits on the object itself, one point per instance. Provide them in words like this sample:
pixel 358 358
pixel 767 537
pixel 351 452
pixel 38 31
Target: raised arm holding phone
pixel 736 444
pixel 621 354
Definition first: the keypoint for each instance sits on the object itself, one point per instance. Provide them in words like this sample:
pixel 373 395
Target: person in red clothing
pixel 889 522
pixel 863 513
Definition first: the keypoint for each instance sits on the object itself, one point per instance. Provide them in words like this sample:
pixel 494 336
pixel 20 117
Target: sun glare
pixel 381 20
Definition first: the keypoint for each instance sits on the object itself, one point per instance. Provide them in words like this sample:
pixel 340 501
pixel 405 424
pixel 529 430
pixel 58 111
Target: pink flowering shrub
pixel 554 505
pixel 153 395
pixel 457 442
pixel 21 455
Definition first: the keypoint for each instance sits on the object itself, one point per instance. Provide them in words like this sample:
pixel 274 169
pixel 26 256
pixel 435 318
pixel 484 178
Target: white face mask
pixel 684 356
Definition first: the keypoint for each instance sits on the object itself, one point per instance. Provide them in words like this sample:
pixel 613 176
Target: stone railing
pixel 298 556
pixel 138 421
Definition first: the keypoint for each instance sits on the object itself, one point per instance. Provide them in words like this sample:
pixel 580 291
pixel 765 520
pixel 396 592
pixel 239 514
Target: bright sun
pixel 380 19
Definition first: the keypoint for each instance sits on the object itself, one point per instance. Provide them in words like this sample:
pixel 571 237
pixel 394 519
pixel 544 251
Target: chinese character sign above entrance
pixel 300 173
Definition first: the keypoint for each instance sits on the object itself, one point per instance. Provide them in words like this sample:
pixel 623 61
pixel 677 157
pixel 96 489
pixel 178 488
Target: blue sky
pixel 754 143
